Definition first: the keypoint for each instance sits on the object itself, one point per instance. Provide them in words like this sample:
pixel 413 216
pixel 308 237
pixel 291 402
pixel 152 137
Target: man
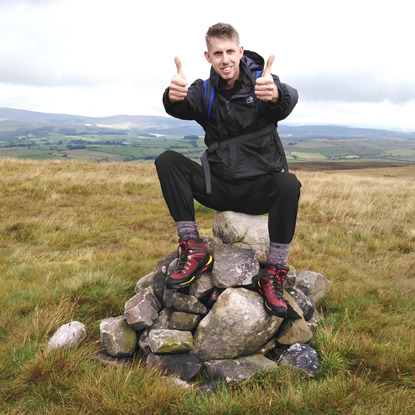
pixel 242 168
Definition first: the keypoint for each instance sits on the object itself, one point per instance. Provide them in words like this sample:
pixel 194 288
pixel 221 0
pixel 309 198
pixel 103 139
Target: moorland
pixel 76 235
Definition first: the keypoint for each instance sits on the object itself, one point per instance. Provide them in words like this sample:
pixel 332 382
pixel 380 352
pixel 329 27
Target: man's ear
pixel 241 51
pixel 207 56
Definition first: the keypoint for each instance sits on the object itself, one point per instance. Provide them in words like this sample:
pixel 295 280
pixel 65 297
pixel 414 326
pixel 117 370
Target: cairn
pixel 219 324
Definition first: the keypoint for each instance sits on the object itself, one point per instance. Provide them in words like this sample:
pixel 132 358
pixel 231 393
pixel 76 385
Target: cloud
pixel 77 43
pixel 368 115
pixel 103 57
pixel 355 86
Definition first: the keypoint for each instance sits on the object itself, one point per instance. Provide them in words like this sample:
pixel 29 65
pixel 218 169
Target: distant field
pixel 28 153
pixel 359 149
pixel 307 156
pixel 130 147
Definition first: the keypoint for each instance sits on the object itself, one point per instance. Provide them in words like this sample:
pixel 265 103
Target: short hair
pixel 222 30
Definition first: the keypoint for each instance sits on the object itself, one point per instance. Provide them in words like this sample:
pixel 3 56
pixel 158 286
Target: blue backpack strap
pixel 257 75
pixel 208 97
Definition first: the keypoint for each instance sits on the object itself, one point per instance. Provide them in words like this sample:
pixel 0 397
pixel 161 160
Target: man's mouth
pixel 227 70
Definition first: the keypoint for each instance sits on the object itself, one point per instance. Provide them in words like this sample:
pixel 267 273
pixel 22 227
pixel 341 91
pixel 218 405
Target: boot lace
pixel 182 254
pixel 274 284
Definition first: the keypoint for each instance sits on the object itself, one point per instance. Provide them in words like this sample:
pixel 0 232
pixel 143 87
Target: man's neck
pixel 231 82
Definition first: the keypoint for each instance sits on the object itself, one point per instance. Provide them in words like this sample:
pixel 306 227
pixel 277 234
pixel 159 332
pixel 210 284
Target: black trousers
pixel 182 180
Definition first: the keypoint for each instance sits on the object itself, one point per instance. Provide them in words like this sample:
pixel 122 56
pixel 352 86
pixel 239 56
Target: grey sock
pixel 187 230
pixel 278 253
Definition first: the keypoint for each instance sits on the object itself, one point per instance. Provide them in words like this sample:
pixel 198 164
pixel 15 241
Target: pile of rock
pixel 219 323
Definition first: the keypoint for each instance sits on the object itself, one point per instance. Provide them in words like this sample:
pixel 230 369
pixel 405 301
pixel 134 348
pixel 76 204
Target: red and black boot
pixel 192 260
pixel 270 286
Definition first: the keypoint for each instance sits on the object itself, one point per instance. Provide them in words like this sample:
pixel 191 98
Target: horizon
pixel 284 122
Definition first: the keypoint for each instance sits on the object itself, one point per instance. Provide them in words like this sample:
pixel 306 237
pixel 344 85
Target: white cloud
pixel 351 61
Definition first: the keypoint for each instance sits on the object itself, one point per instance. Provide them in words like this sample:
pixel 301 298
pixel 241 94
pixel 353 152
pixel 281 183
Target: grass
pixel 75 237
pixel 128 146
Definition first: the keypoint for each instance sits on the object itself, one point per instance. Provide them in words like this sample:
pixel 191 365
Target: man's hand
pixel 265 88
pixel 178 85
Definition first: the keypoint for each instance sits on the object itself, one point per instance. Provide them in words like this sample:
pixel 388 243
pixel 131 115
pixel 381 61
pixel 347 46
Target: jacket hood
pixel 253 61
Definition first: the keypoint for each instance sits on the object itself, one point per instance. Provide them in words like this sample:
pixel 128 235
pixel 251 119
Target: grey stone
pixel 237 325
pixel 144 341
pixel 267 347
pixel 188 304
pixel 233 370
pixel 68 335
pixel 303 357
pixel 305 303
pixel 172 266
pixel 159 284
pixel 290 278
pixel 245 231
pixel 202 287
pixel 293 309
pixel 170 341
pixel 117 337
pixel 295 331
pixel 234 267
pixel 155 281
pixel 184 366
pixel 314 285
pixel 163 264
pixel 213 244
pixel 142 309
pixel 168 297
pixel 184 321
pixel 144 282
pixel 163 319
pixel 161 322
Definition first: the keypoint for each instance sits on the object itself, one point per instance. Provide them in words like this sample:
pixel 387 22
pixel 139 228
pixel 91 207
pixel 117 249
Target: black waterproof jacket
pixel 239 115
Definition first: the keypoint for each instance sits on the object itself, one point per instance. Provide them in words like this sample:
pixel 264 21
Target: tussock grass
pixel 75 237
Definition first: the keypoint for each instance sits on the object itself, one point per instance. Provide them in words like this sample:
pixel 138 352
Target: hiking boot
pixel 192 260
pixel 270 286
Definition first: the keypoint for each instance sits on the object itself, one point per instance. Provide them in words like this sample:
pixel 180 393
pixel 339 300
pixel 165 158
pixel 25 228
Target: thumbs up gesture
pixel 265 88
pixel 178 85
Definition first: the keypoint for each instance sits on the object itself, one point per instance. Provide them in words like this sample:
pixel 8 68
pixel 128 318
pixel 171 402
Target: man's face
pixel 224 55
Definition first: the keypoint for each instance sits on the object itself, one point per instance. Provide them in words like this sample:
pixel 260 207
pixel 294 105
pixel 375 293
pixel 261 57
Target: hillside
pixel 27 134
pixel 22 120
pixel 12 119
pixel 75 238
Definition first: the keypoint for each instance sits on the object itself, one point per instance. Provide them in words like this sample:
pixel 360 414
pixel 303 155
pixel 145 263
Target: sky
pixel 351 61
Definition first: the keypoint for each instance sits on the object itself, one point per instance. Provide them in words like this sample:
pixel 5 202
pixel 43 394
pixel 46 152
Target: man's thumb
pixel 178 63
pixel 267 70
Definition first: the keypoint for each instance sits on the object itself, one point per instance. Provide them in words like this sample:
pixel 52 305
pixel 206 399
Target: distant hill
pixel 341 132
pixel 15 119
pixel 12 119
